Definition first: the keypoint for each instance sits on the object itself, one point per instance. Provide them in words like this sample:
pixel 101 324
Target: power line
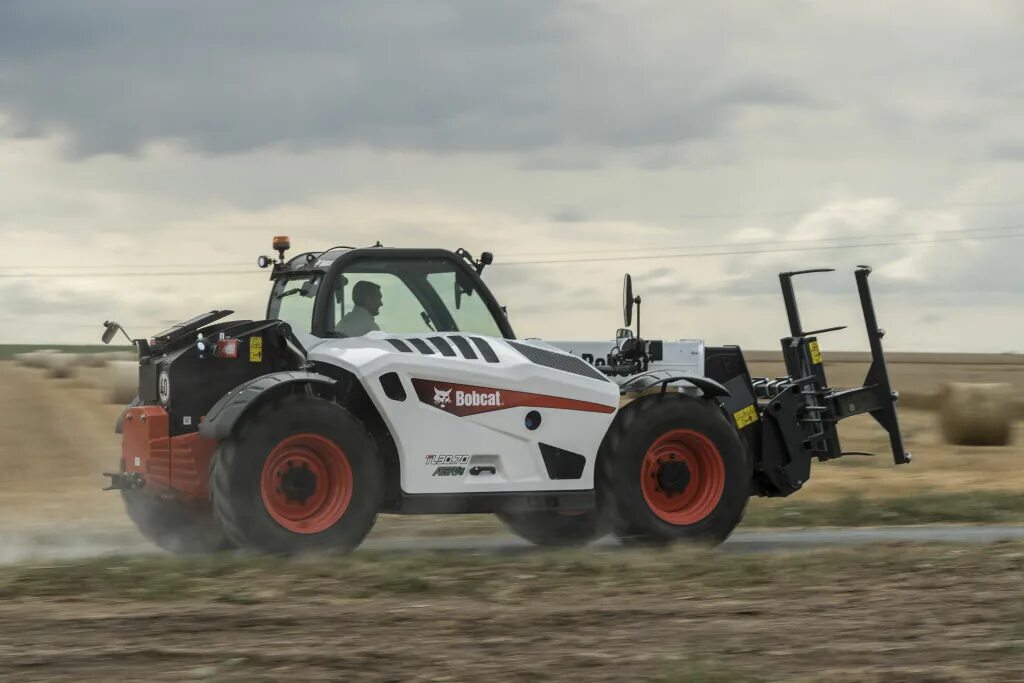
pixel 679 255
pixel 138 274
pixel 722 245
pixel 851 209
pixel 746 252
pixel 228 268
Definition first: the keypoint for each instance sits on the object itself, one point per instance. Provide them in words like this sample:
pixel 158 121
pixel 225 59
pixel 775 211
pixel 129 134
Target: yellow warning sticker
pixel 255 349
pixel 815 353
pixel 746 416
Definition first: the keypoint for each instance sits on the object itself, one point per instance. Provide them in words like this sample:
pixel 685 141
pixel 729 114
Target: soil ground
pixel 902 613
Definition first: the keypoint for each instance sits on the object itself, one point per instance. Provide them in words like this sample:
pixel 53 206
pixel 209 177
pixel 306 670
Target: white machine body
pixel 499 422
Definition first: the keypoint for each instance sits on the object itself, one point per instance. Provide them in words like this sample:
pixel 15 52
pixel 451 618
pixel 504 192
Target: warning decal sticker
pixel 745 416
pixel 255 349
pixel 815 353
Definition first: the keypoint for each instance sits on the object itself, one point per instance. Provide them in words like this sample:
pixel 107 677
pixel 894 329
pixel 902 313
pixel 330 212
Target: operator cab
pixel 347 292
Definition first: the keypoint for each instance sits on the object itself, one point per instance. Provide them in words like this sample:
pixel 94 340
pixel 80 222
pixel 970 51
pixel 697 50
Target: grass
pixel 242 580
pixel 849 510
pixel 974 507
pixel 701 671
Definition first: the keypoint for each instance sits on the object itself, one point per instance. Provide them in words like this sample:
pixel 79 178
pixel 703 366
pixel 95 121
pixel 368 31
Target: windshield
pixel 292 301
pixel 406 296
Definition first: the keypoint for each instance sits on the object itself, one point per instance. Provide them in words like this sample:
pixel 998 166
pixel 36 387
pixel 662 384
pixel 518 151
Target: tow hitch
pixel 124 481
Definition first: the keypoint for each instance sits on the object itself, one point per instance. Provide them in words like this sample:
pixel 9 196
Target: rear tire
pixel 299 475
pixel 673 468
pixel 552 529
pixel 184 529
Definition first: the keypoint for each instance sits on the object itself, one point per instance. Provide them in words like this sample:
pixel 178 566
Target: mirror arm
pixel 637 301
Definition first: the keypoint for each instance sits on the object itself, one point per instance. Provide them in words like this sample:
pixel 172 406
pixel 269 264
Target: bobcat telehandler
pixel 389 380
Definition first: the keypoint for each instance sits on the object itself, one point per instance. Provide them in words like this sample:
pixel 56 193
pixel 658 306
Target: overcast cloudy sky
pixel 140 138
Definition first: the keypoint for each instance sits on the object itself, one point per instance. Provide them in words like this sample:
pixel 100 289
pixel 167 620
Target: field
pixel 904 613
pixel 56 436
pixel 883 612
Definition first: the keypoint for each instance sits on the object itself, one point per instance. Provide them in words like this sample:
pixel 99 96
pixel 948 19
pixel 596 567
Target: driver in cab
pixel 368 300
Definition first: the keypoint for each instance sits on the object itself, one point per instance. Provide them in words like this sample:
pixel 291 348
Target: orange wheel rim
pixel 306 483
pixel 682 477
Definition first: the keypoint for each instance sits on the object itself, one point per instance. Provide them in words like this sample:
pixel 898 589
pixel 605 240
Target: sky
pixel 150 151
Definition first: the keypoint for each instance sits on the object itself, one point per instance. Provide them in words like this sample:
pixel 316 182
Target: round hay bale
pixel 97 359
pixel 59 365
pixel 82 360
pixel 122 381
pixel 90 360
pixel 976 414
pixel 36 359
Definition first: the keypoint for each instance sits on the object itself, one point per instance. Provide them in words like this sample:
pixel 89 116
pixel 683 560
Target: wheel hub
pixel 298 483
pixel 682 477
pixel 306 483
pixel 673 477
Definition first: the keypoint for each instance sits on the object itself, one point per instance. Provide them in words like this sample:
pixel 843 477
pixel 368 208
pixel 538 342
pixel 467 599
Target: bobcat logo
pixel 442 398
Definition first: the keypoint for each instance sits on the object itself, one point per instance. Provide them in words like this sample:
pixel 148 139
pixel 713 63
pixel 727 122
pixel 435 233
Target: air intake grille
pixel 444 344
pixel 558 361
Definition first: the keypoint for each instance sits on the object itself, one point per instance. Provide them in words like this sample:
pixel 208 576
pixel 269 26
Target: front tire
pixel 674 469
pixel 299 475
pixel 552 529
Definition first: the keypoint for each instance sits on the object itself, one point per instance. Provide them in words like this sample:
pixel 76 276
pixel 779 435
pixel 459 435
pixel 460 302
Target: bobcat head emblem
pixel 442 398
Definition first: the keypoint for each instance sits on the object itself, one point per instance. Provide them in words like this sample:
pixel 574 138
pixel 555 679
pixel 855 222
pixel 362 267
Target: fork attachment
pixel 799 413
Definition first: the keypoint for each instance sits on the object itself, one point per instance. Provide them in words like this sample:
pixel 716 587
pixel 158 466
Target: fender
pixel 709 387
pixel 226 412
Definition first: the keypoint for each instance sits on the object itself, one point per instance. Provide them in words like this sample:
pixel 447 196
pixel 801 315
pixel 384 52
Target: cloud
pixel 230 76
pixel 569 214
pixel 634 134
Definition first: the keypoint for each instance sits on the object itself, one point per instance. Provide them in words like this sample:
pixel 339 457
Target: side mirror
pixel 627 300
pixel 112 328
pixel 109 332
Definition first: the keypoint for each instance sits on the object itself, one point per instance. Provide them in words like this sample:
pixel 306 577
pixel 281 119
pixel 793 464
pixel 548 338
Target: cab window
pixel 407 296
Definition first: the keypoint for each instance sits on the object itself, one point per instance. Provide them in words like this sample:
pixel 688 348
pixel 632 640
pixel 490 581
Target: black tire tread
pixel 631 527
pixel 224 463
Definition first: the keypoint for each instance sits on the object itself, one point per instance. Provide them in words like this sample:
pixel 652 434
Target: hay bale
pixel 122 381
pixel 918 400
pixel 36 359
pixel 59 365
pixel 90 360
pixel 977 414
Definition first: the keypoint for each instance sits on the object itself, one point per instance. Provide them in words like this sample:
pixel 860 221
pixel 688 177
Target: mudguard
pixel 226 412
pixel 640 383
